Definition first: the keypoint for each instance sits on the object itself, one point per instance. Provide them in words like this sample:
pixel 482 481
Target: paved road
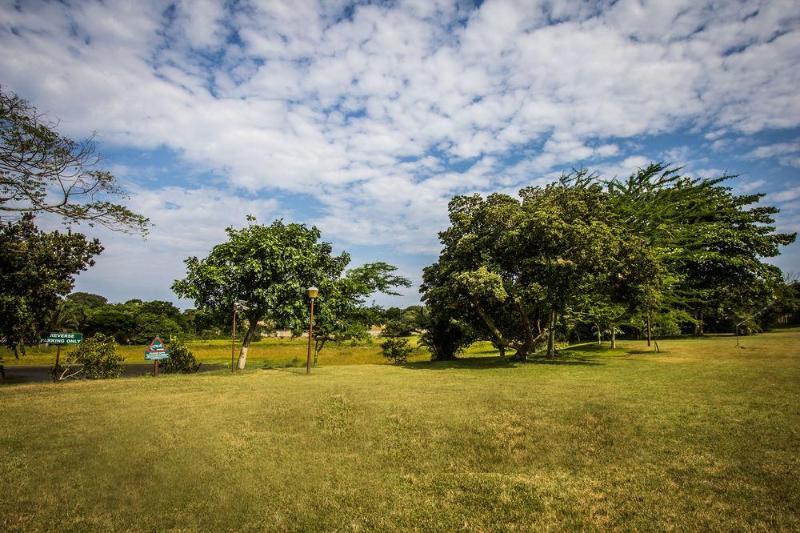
pixel 27 374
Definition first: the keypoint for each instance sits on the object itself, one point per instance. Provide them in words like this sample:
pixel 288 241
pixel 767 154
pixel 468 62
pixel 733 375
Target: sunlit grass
pixel 268 351
pixel 705 435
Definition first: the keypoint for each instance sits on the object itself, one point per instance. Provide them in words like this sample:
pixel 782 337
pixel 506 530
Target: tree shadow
pixel 489 363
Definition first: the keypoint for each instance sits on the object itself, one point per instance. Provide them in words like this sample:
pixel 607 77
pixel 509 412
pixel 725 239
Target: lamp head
pixel 312 292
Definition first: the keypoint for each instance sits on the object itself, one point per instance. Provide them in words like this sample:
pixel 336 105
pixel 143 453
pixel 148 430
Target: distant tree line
pixel 132 322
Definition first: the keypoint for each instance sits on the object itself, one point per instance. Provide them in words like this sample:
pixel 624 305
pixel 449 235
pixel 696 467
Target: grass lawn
pixel 268 351
pixel 703 436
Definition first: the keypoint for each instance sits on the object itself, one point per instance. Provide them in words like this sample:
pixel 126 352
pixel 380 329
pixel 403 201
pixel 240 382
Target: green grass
pixel 703 436
pixel 268 351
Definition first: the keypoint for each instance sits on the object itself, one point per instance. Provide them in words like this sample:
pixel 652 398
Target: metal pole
pixel 310 335
pixel 58 358
pixel 233 337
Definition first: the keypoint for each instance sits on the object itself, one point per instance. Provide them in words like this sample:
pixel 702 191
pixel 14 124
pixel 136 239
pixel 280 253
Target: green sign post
pixel 156 352
pixel 60 339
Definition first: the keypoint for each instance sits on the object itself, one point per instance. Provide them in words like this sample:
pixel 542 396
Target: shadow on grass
pixel 488 363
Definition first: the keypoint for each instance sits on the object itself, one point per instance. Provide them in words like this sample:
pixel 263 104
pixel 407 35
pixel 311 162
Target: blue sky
pixel 365 119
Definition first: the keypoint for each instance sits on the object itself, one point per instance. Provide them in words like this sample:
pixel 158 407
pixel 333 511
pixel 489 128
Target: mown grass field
pixel 268 351
pixel 704 435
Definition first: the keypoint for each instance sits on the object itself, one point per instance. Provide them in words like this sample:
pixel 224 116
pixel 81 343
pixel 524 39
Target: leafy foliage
pixel 94 358
pixel 181 359
pixel 36 269
pixel 43 171
pixel 397 350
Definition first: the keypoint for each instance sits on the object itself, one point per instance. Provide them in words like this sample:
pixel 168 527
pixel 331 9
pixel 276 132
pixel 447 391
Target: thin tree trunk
pixel 498 335
pixel 551 348
pixel 702 326
pixel 319 344
pixel 649 328
pixel 526 323
pixel 251 326
pixel 599 337
pixel 613 336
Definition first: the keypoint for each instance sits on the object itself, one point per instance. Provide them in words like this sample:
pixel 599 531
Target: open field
pixel 268 351
pixel 703 436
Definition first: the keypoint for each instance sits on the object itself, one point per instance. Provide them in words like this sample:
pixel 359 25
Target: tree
pixel 510 267
pixel 340 313
pixel 36 270
pixel 708 242
pixel 41 171
pixel 268 268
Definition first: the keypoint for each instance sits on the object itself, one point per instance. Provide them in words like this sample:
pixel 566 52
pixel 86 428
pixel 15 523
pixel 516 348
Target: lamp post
pixel 312 293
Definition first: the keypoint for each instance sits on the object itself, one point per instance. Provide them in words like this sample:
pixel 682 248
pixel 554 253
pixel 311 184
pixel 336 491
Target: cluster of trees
pixel 655 253
pixel 43 173
pixel 400 322
pixel 132 322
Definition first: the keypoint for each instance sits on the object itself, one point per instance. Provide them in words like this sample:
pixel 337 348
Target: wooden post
pixel 310 336
pixel 58 364
pixel 155 367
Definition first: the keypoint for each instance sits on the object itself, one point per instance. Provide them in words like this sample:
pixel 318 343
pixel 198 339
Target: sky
pixel 365 119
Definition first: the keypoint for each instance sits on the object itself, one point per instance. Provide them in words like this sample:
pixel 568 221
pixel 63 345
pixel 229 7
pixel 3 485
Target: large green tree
pixel 710 242
pixel 268 268
pixel 511 266
pixel 36 270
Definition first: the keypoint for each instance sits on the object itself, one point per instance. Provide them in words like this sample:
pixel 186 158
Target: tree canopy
pixel 42 171
pixel 657 249
pixel 267 270
pixel 36 269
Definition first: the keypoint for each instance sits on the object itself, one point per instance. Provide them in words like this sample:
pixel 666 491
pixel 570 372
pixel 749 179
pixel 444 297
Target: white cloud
pixel 373 108
pixel 787 153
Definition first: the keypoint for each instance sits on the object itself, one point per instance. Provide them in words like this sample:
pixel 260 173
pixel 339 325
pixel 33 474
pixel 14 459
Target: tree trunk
pixel 526 323
pixel 498 335
pixel 613 336
pixel 599 337
pixel 551 336
pixel 649 329
pixel 702 326
pixel 319 344
pixel 251 327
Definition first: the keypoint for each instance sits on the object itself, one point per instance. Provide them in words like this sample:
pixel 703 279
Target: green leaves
pixel 270 267
pixel 36 269
pixel 42 171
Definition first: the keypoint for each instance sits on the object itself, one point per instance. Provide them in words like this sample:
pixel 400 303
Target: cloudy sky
pixel 365 119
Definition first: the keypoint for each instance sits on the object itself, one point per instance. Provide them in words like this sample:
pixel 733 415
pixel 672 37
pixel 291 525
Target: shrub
pixel 94 358
pixel 181 360
pixel 397 350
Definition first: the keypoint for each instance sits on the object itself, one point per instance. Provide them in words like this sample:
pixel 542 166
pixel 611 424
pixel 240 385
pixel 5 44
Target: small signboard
pixel 63 338
pixel 156 351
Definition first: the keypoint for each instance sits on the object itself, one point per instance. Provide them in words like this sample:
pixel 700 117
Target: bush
pixel 94 358
pixel 397 350
pixel 181 360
